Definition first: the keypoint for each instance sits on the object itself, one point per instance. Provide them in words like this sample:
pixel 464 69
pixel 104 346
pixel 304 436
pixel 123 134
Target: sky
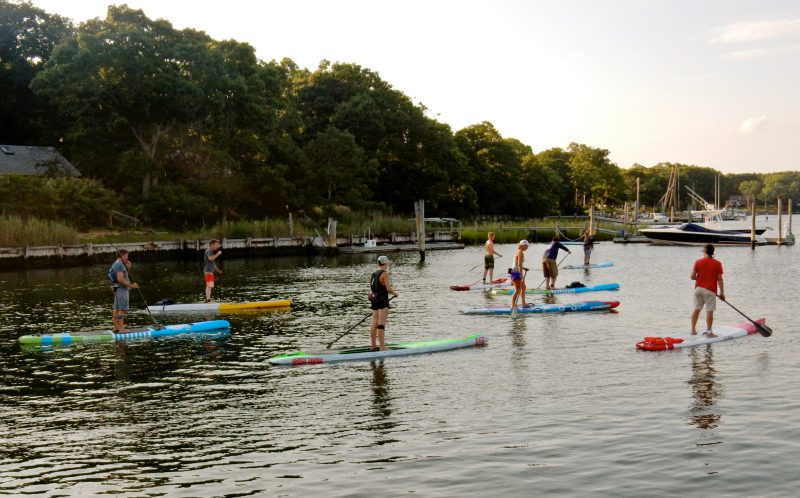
pixel 712 83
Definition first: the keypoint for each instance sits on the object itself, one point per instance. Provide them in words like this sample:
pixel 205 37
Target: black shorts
pixel 379 304
pixel 488 262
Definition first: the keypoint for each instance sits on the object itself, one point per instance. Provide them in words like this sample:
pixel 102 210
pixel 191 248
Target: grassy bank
pixel 17 232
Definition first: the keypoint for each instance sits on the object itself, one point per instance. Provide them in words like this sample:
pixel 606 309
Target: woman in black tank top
pixel 381 287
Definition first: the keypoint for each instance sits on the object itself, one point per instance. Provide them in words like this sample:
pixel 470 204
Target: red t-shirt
pixel 708 271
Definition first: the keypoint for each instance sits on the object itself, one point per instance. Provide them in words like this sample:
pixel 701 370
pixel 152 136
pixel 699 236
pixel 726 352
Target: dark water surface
pixel 553 405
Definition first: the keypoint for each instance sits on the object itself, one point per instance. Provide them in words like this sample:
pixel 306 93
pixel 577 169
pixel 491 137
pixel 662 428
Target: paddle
pixel 351 328
pixel 762 329
pixel 473 268
pixel 157 325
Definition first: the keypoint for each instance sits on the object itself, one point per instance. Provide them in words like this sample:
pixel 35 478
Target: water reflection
pixel 382 401
pixel 705 389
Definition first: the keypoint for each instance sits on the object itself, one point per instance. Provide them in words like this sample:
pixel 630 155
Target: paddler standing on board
pixel 488 258
pixel 122 283
pixel 707 276
pixel 210 266
pixel 517 275
pixel 380 287
pixel 549 265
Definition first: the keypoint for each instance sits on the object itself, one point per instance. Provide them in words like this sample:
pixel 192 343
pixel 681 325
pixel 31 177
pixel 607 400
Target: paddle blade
pixel 763 330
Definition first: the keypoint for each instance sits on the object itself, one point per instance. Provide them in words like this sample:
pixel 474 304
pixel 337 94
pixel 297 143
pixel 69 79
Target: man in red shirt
pixel 707 274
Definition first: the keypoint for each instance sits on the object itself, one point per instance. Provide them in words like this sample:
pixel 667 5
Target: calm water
pixel 553 405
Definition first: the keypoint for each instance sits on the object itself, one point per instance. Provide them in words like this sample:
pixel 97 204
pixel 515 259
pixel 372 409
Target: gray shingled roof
pixel 29 160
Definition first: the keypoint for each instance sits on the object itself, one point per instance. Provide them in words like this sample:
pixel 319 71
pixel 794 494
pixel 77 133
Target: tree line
pixel 182 129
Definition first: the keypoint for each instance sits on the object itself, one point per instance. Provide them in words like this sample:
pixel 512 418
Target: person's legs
pixel 485 271
pixel 710 323
pixel 383 314
pixel 209 278
pixel 695 316
pixel 373 329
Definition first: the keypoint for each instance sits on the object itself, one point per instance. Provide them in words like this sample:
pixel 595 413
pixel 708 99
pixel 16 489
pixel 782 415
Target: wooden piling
pixel 419 216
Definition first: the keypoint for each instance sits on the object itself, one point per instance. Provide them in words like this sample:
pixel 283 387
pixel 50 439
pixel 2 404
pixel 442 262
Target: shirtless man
pixel 488 257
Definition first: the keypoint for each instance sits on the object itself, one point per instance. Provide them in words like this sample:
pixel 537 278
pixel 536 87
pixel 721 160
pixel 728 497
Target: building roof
pixel 31 160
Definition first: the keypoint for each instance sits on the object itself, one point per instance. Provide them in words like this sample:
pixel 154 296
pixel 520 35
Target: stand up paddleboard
pixel 364 353
pixel 686 340
pixel 604 264
pixel 168 306
pixel 543 308
pixel 562 290
pixel 498 282
pixel 108 336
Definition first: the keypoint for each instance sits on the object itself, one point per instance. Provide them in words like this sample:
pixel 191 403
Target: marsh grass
pixel 16 232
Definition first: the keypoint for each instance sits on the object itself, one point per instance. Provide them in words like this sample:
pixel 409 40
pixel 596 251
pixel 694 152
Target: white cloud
pixel 756 30
pixel 751 125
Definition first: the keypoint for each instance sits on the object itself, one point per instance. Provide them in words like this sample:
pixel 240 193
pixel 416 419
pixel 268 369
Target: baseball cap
pixel 382 260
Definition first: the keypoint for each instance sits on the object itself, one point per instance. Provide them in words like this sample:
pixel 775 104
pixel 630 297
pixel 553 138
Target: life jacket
pixel 658 343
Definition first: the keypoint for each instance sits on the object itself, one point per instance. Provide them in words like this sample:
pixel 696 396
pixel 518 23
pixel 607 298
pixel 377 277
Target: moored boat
pixel 695 234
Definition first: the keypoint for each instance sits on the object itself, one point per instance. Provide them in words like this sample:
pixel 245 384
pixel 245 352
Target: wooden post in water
pixel 789 211
pixel 330 235
pixel 291 226
pixel 753 225
pixel 780 222
pixel 419 214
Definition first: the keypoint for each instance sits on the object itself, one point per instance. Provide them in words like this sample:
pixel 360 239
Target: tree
pixel 750 189
pixel 338 168
pixel 594 175
pixel 131 81
pixel 27 37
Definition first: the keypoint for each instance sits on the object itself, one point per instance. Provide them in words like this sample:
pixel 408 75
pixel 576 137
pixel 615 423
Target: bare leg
pixel 373 330
pixel 381 328
pixel 710 323
pixel 695 316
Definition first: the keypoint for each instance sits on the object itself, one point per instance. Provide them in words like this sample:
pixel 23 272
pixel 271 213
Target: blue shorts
pixel 515 275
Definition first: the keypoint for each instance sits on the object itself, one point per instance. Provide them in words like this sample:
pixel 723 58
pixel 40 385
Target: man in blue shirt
pixel 122 284
pixel 549 265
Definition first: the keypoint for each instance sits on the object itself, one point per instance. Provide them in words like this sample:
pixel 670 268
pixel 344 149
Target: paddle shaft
pixel 473 268
pixel 141 294
pixel 762 329
pixel 351 328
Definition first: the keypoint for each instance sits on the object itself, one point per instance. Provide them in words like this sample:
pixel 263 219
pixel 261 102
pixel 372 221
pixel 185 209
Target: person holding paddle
pixel 122 283
pixel 549 265
pixel 707 275
pixel 517 276
pixel 380 287
pixel 488 258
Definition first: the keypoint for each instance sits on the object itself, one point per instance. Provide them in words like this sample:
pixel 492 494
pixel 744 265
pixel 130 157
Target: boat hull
pixel 690 234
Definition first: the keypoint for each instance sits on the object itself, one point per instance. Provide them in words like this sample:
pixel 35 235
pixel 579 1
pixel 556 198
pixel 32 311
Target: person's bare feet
pixel 709 333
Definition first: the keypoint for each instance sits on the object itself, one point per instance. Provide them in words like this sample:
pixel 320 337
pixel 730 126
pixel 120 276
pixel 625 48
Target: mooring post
pixel 753 225
pixel 419 213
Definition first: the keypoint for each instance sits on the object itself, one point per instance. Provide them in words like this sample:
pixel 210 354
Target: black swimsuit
pixel 381 292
